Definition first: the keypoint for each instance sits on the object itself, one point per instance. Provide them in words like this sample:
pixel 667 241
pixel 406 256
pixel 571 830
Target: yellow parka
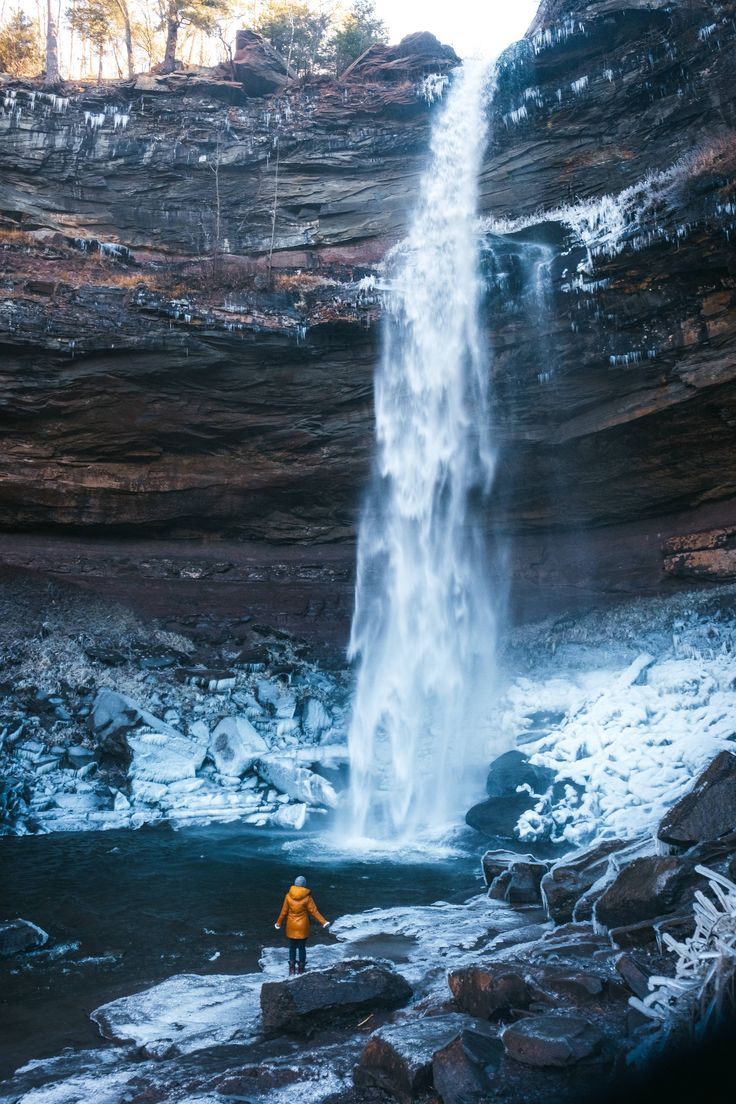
pixel 297 908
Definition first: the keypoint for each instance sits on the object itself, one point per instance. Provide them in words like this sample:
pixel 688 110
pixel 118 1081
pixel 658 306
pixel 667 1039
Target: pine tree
pixel 359 30
pixel 20 49
pixel 195 13
pixel 297 30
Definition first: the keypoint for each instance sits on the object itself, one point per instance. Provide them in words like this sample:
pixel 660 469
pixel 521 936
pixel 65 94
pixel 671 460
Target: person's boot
pixel 292 968
pixel 301 966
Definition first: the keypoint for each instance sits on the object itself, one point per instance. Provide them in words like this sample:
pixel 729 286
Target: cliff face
pixel 188 312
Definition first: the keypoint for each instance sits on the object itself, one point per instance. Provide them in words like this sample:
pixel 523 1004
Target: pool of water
pixel 127 909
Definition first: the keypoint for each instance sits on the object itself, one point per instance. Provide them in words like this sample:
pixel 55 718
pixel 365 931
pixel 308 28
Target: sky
pixel 471 26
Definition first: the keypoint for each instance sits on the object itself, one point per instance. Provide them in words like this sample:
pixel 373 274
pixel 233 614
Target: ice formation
pixel 423 628
pixel 632 723
pixel 703 990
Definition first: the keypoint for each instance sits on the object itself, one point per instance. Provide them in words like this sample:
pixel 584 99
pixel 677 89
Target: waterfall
pixel 423 628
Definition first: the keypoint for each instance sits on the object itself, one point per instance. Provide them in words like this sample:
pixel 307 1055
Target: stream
pixel 127 909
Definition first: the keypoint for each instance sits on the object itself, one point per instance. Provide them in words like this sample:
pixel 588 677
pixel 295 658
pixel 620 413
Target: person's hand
pixel 277 927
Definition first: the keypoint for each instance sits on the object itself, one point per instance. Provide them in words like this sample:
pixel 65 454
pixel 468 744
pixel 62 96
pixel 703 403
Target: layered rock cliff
pixel 189 312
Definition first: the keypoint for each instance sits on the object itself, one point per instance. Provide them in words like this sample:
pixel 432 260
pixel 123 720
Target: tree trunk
pixel 52 47
pixel 172 33
pixel 99 66
pixel 122 6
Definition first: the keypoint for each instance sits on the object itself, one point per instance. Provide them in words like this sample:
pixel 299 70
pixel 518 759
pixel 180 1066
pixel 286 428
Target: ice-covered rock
pixel 573 876
pixel 183 1014
pixel 290 816
pixel 315 719
pixel 20 935
pixel 277 699
pixel 164 757
pixel 114 715
pixel 235 745
pixel 398 1058
pixel 298 782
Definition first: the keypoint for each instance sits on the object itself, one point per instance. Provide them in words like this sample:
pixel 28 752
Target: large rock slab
pixel 19 935
pixel 646 888
pixel 399 1058
pixel 514 769
pixel 185 1013
pixel 708 810
pixel 488 990
pixel 569 879
pixel 235 745
pixel 520 884
pixel 552 1040
pixel 308 1001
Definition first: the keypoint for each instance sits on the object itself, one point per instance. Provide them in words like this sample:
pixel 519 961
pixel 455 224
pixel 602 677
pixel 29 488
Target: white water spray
pixel 423 628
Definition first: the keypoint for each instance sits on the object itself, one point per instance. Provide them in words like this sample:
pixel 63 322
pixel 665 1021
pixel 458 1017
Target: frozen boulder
pixel 646 888
pixel 398 1058
pixel 708 810
pixel 298 782
pixel 551 1040
pixel 235 746
pixel 315 719
pixel 162 757
pixel 313 999
pixel 573 876
pixel 119 723
pixel 290 816
pixel 17 936
pixel 464 1070
pixel 519 884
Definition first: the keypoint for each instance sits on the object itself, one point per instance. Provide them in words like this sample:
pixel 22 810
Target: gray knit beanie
pixel 300 881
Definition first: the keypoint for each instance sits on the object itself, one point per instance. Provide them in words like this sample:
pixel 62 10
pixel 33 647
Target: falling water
pixel 423 629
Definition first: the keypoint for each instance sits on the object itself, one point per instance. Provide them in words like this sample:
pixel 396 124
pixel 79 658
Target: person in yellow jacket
pixel 298 906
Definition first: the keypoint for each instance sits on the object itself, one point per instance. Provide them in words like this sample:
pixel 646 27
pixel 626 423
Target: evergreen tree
pixel 96 22
pixel 20 49
pixel 196 13
pixel 297 30
pixel 359 29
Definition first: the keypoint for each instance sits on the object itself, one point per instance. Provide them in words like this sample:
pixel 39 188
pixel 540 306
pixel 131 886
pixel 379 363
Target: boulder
pixel 708 810
pixel 462 1071
pixel 258 66
pixel 235 746
pixel 19 935
pixel 290 816
pixel 126 731
pixel 497 817
pixel 313 999
pixel 14 795
pixel 646 888
pixel 520 884
pixel 298 782
pixel 569 879
pixel 412 58
pixel 487 990
pixel 315 719
pixel 498 861
pixel 514 769
pixel 551 1040
pixel 398 1059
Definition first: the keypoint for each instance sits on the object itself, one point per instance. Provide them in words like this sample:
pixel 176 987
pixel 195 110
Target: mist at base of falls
pixel 423 633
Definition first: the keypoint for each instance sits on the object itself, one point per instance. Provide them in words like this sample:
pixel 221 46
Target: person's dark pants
pixel 298 950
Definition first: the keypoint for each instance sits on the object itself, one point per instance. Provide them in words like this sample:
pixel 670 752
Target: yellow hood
pixel 299 892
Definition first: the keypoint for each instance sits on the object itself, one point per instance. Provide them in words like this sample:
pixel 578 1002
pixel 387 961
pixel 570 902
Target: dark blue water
pixel 145 905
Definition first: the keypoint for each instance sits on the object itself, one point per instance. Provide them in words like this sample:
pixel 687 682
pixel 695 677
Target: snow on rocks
pixel 640 715
pixel 235 746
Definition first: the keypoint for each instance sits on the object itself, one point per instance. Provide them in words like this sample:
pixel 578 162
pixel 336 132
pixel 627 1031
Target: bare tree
pixel 53 76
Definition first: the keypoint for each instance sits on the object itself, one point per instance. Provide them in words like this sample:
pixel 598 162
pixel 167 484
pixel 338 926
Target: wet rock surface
pixel 320 996
pixel 551 1040
pixel 709 810
pixel 647 888
pixel 399 1059
pixel 568 880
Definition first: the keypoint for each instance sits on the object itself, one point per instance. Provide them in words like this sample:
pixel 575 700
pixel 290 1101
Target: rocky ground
pixel 108 721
